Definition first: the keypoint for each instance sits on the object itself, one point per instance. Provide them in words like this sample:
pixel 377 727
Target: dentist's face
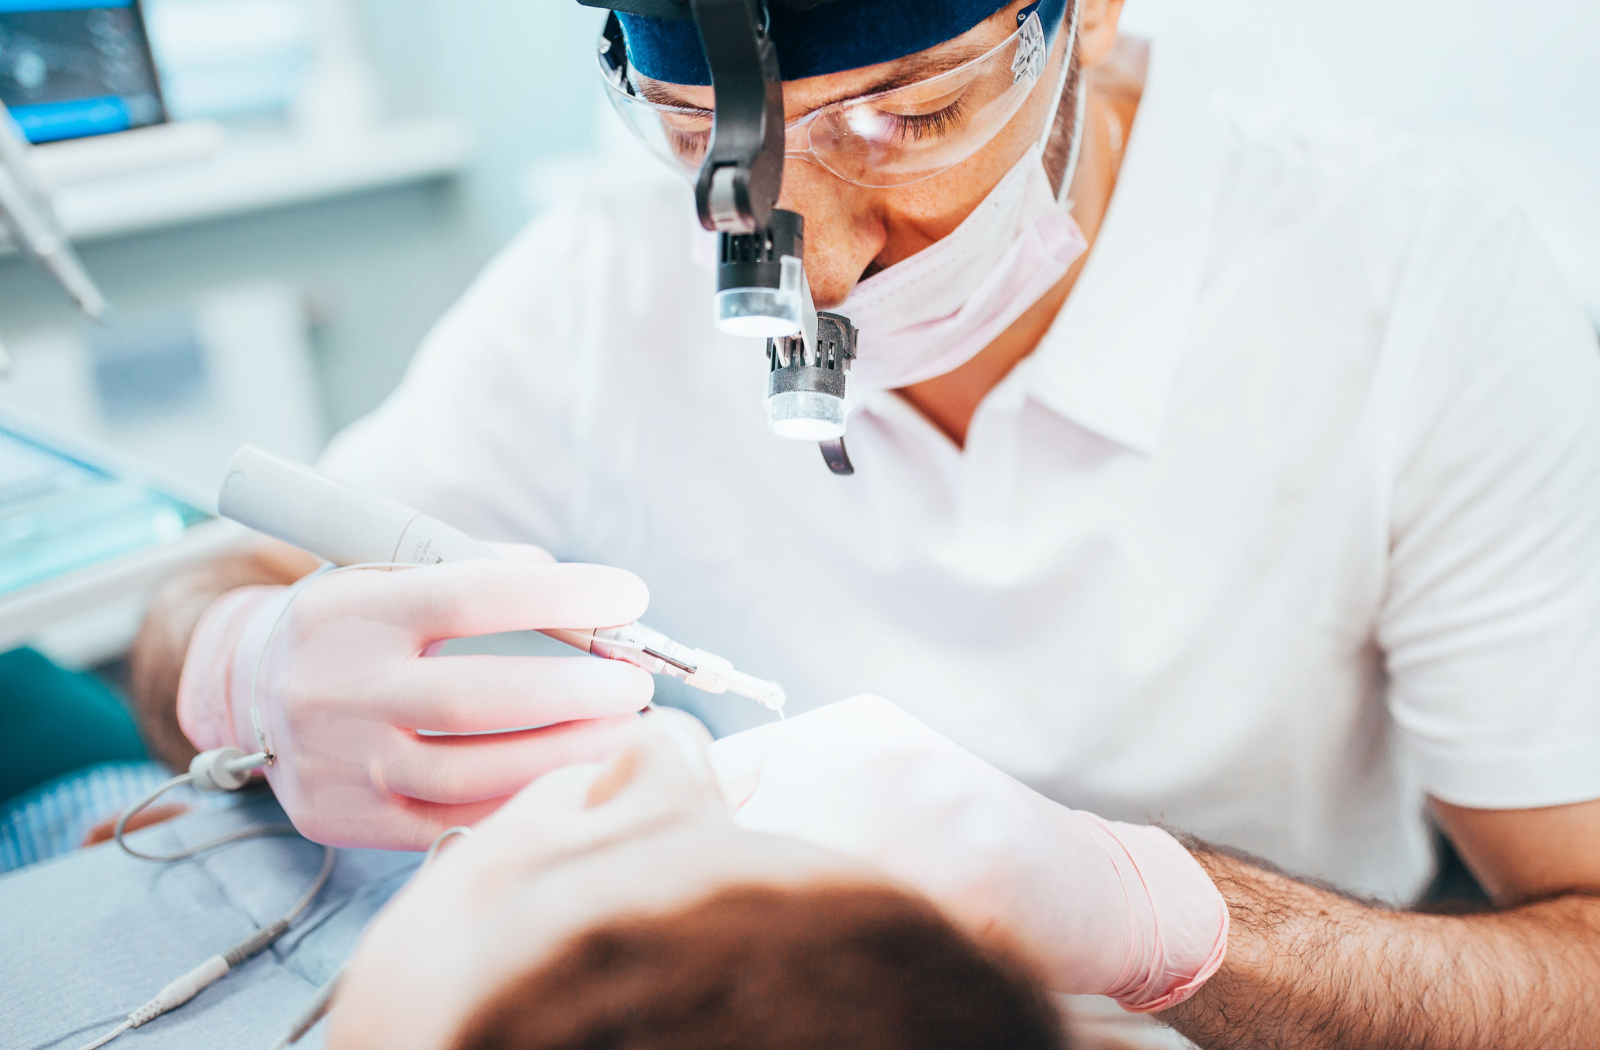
pixel 853 231
pixel 647 834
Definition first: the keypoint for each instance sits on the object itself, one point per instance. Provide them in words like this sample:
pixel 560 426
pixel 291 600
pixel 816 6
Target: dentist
pixel 1215 469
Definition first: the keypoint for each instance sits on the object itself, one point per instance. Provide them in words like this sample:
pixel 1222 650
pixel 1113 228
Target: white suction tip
pixel 768 694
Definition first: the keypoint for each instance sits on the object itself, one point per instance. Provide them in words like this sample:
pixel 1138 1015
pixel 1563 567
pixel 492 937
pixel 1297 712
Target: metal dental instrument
pixel 27 215
pixel 762 289
pixel 348 527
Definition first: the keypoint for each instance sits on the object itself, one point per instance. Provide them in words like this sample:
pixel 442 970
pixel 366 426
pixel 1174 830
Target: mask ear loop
pixel 1064 197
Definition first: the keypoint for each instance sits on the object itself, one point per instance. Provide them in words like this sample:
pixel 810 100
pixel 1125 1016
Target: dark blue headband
pixel 829 38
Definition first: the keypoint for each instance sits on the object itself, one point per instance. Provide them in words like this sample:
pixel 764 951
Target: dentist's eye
pixel 687 135
pixel 915 127
pixel 689 145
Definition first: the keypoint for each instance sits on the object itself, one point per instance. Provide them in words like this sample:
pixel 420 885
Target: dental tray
pixel 62 510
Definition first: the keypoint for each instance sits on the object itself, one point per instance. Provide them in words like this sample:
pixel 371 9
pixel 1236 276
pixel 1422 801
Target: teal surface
pixel 54 721
pixel 58 514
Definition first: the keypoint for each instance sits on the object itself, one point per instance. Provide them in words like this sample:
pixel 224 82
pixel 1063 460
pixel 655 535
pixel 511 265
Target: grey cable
pixel 103 1040
pixel 219 966
pixel 121 830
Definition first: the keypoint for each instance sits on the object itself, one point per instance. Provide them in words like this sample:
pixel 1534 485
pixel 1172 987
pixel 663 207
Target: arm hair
pixel 1311 968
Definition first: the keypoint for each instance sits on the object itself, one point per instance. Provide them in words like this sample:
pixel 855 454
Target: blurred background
pixel 337 171
pixel 1516 99
pixel 349 167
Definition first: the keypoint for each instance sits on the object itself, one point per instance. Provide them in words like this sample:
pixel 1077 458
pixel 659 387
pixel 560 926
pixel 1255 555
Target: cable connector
pixel 225 769
pixel 181 991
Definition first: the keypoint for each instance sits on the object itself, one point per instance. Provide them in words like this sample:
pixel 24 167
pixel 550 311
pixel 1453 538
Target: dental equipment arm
pixel 27 216
pixel 762 290
pixel 349 527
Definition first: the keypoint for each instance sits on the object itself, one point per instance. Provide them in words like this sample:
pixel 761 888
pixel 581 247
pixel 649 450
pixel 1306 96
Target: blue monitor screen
pixel 73 68
pixel 59 514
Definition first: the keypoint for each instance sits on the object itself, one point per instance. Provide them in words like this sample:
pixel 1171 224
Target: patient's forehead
pixel 482 919
pixel 655 873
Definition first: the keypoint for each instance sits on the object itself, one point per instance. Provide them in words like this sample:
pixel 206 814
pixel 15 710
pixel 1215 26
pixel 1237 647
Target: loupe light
pixel 808 393
pixel 759 313
pixel 761 280
pixel 762 291
pixel 802 415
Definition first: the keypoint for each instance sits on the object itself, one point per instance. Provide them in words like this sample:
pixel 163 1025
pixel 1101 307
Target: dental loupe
pixel 808 387
pixel 762 291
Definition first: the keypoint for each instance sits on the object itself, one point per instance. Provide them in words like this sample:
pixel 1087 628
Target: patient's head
pixel 620 907
pixel 781 969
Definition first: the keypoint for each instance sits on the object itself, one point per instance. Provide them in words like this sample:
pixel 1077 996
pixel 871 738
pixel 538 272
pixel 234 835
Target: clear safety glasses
pixel 890 138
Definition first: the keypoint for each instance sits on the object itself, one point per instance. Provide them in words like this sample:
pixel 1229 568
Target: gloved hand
pixel 348 679
pixel 1105 908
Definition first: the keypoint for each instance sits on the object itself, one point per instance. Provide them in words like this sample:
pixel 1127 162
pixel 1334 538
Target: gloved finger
pixel 524 552
pixel 688 734
pixel 658 777
pixel 479 694
pixel 737 762
pixel 385 822
pixel 668 751
pixel 469 598
pixel 563 790
pixel 464 769
pixel 419 824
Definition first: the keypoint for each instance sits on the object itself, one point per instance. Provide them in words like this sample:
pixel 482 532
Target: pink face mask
pixel 935 311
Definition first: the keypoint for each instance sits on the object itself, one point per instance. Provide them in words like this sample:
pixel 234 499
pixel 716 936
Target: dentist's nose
pixel 845 230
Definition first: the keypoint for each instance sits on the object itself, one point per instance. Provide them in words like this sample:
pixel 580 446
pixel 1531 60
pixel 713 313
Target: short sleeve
pixel 1491 623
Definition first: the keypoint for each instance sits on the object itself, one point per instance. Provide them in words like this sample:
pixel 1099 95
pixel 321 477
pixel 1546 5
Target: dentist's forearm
pixel 155 663
pixel 1307 968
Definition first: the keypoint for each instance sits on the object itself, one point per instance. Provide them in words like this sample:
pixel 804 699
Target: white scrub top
pixel 1293 516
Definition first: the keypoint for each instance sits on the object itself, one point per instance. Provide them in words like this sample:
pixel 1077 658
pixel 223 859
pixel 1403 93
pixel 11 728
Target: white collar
pixel 1110 358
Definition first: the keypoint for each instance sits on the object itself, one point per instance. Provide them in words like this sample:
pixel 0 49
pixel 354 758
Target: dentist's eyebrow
pixel 905 72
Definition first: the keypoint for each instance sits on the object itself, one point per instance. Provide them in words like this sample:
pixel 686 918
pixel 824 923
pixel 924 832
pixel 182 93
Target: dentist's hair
pixel 758 968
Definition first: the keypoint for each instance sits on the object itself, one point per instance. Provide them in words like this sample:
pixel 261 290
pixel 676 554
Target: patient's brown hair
pixel 755 968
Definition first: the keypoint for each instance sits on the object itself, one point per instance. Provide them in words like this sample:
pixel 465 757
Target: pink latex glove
pixel 348 681
pixel 1105 908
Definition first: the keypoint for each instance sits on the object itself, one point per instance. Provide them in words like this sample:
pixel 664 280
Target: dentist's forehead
pixel 829 37
pixel 803 95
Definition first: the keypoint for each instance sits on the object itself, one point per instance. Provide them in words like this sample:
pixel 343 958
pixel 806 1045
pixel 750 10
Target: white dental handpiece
pixel 346 526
